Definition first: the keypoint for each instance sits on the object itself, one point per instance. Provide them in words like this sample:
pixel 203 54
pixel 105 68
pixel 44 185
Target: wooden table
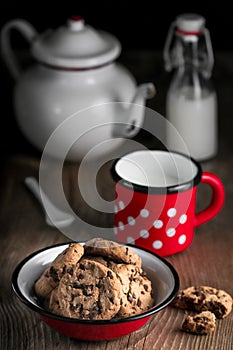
pixel 208 261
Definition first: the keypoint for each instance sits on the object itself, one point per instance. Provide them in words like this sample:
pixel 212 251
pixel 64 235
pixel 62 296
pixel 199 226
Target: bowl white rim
pixel 44 312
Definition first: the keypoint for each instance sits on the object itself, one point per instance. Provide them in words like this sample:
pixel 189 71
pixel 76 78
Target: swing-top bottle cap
pixel 190 24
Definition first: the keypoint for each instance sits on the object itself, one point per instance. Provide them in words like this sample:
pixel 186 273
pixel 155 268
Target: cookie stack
pixel 98 281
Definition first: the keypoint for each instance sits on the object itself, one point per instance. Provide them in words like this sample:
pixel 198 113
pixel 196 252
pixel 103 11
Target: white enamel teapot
pixel 75 90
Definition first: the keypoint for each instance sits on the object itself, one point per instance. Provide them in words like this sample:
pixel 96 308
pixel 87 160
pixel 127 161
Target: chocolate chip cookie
pixel 91 291
pixel 125 273
pixel 112 250
pixel 135 286
pixel 202 323
pixel 52 275
pixel 45 284
pixel 138 299
pixel 204 298
pixel 68 258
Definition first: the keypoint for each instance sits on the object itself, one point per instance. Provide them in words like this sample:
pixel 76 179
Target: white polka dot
pixel 157 244
pixel 144 234
pixel 121 205
pixel 130 240
pixel 158 224
pixel 171 232
pixel 182 239
pixel 144 213
pixel 115 209
pixel 183 219
pixel 115 230
pixel 131 220
pixel 121 225
pixel 171 212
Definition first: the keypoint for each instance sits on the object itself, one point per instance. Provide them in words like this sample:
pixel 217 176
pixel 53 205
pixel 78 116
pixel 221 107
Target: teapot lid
pixel 75 46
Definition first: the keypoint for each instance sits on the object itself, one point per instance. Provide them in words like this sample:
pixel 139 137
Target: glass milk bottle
pixel 191 104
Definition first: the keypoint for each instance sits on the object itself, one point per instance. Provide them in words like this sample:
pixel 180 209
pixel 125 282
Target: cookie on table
pixel 52 275
pixel 91 291
pixel 112 250
pixel 204 298
pixel 202 323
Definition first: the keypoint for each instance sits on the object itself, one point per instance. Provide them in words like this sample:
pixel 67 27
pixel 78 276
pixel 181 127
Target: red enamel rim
pixel 183 32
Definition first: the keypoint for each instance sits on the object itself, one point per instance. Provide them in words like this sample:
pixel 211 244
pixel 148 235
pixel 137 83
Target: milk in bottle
pixel 191 103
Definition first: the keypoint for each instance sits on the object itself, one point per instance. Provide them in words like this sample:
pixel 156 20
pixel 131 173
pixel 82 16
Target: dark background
pixel 140 27
pixel 137 24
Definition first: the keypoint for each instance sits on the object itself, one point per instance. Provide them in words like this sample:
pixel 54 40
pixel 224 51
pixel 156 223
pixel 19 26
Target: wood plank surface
pixel 23 230
pixel 208 261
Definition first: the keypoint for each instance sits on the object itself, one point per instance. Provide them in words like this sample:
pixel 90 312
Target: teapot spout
pixel 143 92
pixel 134 111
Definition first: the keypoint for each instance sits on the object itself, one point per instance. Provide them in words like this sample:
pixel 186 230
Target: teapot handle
pixel 27 31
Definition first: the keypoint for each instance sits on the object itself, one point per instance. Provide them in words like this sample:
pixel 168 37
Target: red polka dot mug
pixel 155 201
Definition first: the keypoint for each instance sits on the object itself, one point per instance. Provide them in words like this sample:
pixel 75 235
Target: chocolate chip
pixel 77 306
pixel 145 287
pixel 139 303
pixel 99 284
pixel 99 306
pixel 82 267
pixel 76 285
pixel 200 328
pixel 130 297
pixel 53 274
pixel 80 276
pixel 88 290
pixel 136 279
pixel 70 271
pixel 93 314
pixel 109 274
pixel 72 307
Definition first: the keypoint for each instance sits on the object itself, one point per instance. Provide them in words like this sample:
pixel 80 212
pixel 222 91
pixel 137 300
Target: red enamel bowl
pixel 164 279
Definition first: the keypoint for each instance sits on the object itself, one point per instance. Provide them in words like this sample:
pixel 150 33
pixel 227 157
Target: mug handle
pixel 217 200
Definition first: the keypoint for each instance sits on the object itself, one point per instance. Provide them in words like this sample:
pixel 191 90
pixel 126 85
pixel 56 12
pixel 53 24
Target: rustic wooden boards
pixel 23 230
